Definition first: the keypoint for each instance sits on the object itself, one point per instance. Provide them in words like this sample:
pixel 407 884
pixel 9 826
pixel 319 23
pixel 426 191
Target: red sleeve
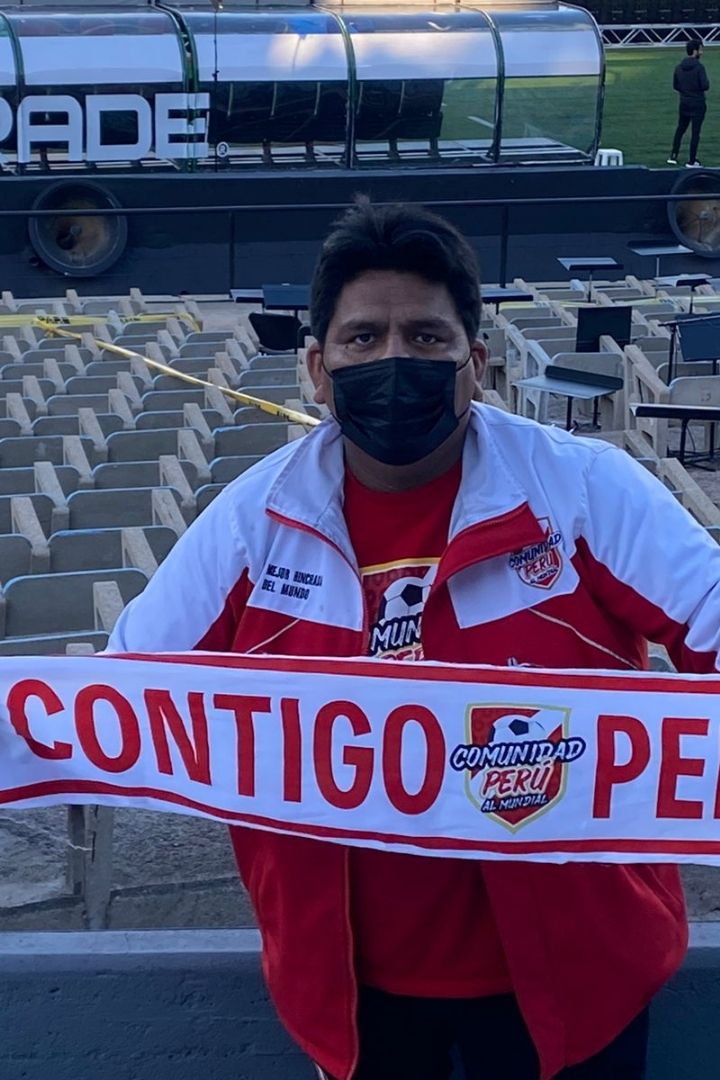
pixel 651 564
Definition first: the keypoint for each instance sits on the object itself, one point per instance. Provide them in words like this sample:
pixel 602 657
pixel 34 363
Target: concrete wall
pixel 190 1005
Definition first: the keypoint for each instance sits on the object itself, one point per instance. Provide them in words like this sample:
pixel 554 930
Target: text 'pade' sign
pixel 442 760
pixel 169 126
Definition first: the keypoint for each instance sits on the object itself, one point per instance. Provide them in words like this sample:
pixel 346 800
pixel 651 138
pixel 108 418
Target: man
pixel 381 964
pixel 691 83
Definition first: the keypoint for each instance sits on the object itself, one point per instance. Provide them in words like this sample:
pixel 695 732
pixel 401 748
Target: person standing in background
pixel 691 83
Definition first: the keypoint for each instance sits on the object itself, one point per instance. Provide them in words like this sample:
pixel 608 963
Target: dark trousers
pixel 405 1038
pixel 685 119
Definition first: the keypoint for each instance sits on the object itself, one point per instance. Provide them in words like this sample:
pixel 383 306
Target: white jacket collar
pixel 309 488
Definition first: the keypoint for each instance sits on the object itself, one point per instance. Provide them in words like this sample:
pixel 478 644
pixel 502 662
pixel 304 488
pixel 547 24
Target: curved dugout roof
pixel 496 83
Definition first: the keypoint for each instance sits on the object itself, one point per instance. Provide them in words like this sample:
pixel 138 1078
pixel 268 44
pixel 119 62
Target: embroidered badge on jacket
pixel 540 564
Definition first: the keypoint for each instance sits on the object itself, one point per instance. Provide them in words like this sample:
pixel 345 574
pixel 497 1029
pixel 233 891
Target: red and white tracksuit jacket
pixel 587 944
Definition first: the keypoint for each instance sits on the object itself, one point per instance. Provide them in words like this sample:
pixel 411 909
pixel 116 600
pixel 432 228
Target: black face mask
pixel 399 409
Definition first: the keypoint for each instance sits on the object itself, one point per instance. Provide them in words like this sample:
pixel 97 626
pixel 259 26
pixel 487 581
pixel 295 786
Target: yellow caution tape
pixel 28 319
pixel 245 399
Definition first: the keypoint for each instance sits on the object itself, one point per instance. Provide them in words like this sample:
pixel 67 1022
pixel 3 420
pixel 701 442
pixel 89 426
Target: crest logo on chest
pixel 540 564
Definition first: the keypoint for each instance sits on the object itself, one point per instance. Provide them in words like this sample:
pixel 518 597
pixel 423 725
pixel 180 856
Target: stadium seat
pixel 524 322
pixel 274 362
pixel 15 556
pixel 68 404
pixel 20 385
pixel 8 403
pixel 70 424
pixel 45 510
pixel 52 644
pixel 656 349
pixel 106 508
pixel 108 368
pixel 200 349
pixel 249 439
pixel 102 306
pixel 248 414
pixel 142 474
pixel 37 368
pixel 277 394
pixel 157 400
pixel 166 418
pixel 644 385
pixel 225 469
pixel 204 337
pixel 139 445
pixel 101 549
pixel 268 377
pixel 622 294
pixel 59 604
pixel 24 481
pixel 206 494
pixel 99 384
pixel 533 403
pixel 538 333
pixel 49 347
pixel 186 365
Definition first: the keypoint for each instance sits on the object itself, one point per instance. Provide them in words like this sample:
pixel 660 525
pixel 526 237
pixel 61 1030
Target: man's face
pixel 385 313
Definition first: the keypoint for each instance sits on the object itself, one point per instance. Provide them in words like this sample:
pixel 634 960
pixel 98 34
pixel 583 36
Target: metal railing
pixel 633 35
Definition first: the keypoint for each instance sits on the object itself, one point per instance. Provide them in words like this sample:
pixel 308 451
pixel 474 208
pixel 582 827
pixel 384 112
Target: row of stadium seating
pixel 104 462
pixel 543 332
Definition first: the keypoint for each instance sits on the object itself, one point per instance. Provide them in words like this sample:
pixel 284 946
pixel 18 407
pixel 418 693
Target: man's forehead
pixel 379 291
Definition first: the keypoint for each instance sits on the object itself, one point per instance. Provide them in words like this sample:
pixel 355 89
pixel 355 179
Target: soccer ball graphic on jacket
pixel 403 599
pixel 514 728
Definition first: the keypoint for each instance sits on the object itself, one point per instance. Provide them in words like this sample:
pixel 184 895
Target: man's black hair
pixel 694 45
pixel 400 237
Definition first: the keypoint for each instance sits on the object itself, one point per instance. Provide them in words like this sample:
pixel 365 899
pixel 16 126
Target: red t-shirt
pixel 422 926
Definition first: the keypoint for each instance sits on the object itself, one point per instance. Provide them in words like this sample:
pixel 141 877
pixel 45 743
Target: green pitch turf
pixel 641 106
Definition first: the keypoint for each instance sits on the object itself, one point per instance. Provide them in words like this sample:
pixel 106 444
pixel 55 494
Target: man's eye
pixel 365 338
pixel 428 339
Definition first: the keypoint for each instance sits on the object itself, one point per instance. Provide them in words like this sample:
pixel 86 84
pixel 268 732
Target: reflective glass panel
pixel 278 84
pixel 8 74
pixel 426 86
pixel 553 77
pixel 104 87
pixel 118 49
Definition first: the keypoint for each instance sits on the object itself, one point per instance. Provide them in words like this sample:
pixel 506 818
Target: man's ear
pixel 317 372
pixel 479 359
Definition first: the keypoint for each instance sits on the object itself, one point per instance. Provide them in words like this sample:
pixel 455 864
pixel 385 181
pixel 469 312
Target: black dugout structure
pixel 282 114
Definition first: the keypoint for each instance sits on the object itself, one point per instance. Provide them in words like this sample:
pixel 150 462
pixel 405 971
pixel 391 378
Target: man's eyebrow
pixel 429 322
pixel 422 322
pixel 356 323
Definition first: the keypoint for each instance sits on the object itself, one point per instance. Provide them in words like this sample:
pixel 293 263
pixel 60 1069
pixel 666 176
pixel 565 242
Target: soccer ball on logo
pixel 514 728
pixel 403 599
